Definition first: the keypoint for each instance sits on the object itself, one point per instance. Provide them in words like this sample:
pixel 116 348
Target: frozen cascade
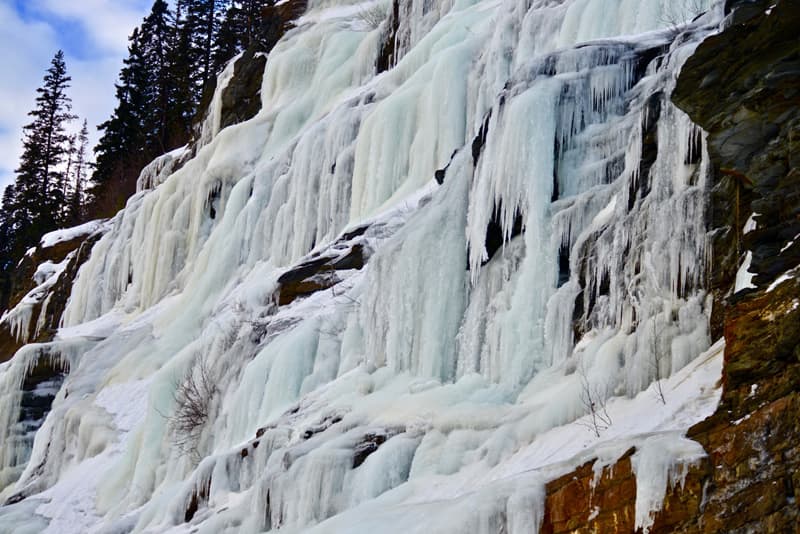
pixel 564 246
pixel 19 317
pixel 16 431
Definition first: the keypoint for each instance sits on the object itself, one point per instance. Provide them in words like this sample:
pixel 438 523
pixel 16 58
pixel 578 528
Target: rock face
pixel 743 87
pixel 574 501
pixel 748 99
pixel 581 502
pixel 56 297
pixel 752 440
pixel 386 58
pixel 319 272
pixel 241 99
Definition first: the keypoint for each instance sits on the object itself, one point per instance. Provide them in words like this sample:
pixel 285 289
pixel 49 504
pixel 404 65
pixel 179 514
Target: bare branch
pixel 374 15
pixel 594 399
pixel 673 15
pixel 193 396
pixel 352 300
pixel 658 355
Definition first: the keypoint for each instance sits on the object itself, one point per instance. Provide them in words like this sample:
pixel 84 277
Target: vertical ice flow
pixel 564 246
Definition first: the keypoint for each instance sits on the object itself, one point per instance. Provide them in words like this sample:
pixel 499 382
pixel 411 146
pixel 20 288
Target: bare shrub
pixel 374 15
pixel 193 396
pixel 658 355
pixel 593 399
pixel 673 14
pixel 351 302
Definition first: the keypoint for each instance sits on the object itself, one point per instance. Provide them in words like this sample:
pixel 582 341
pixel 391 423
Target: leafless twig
pixel 674 14
pixel 374 15
pixel 193 396
pixel 352 300
pixel 657 358
pixel 594 399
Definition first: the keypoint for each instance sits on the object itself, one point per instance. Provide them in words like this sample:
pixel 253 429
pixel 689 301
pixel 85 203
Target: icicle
pixel 661 463
pixel 565 235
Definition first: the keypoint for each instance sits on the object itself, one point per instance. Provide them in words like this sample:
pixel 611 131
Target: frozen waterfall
pixel 559 249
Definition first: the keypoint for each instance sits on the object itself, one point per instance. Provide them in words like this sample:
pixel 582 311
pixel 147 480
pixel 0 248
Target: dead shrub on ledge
pixel 194 394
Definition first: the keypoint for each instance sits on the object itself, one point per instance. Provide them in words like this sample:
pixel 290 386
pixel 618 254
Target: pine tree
pixel 182 102
pixel 75 210
pixel 156 35
pixel 120 152
pixel 7 243
pixel 33 205
pixel 7 226
pixel 242 27
pixel 37 190
pixel 64 183
pixel 199 26
pixel 230 37
pixel 153 113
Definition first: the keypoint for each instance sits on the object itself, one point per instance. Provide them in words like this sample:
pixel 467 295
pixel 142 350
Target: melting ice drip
pixel 565 246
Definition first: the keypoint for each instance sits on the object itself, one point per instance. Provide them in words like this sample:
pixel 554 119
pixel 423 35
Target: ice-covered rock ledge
pixel 41 285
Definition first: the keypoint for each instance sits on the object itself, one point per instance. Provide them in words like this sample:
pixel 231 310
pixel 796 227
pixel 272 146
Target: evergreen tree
pixel 33 205
pixel 156 35
pixel 120 150
pixel 7 226
pixel 64 183
pixel 173 59
pixel 7 243
pixel 242 27
pixel 199 26
pixel 45 145
pixel 75 209
pixel 153 113
pixel 229 39
pixel 183 104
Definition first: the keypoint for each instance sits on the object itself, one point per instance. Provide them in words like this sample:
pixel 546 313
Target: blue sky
pixel 93 35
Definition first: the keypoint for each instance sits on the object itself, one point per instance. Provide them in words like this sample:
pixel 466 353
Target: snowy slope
pixel 439 386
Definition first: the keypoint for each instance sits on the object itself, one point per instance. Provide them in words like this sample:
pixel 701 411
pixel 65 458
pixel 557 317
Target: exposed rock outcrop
pixel 743 87
pixel 241 98
pixel 580 501
pixel 41 328
pixel 320 272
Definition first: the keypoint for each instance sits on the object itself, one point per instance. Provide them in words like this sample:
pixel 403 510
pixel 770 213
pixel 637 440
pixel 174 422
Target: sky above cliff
pixel 93 35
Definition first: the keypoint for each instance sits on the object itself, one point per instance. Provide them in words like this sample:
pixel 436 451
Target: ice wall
pixel 560 250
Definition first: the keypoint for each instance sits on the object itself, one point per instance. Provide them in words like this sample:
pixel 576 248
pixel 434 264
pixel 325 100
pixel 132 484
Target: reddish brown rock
pixel 749 103
pixel 317 274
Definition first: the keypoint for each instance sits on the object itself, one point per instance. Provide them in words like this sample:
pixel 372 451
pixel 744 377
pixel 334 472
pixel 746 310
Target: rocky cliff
pixel 441 267
pixel 743 87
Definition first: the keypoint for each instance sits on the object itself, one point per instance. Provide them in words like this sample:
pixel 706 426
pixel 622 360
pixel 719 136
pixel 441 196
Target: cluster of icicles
pixel 442 357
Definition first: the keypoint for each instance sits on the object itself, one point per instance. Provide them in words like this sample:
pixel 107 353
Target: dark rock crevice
pixel 386 56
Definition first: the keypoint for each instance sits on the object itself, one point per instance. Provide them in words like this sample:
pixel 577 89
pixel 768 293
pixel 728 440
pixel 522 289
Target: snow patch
pixel 68 234
pixel 788 275
pixel 744 278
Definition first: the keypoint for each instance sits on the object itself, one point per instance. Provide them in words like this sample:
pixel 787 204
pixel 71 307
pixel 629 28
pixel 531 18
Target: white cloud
pixel 27 46
pixel 108 22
